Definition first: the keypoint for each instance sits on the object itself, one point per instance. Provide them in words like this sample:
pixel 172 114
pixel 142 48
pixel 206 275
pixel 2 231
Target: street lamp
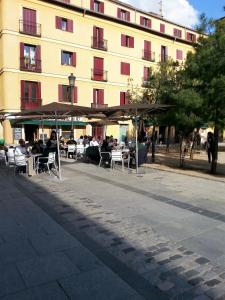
pixel 72 80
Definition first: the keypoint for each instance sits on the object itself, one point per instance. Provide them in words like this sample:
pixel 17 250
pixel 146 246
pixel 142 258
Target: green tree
pixel 205 73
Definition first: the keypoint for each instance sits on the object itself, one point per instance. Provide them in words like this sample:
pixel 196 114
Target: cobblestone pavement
pixel 148 223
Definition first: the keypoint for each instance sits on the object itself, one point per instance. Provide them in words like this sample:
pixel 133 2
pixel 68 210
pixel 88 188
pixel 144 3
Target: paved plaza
pixel 102 234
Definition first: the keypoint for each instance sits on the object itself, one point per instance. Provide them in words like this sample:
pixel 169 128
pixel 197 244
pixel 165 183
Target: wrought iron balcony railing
pixel 148 55
pixel 99 75
pixel 100 44
pixel 30 64
pixel 30 28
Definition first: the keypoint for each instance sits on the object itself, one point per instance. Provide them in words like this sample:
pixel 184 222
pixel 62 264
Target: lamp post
pixel 72 80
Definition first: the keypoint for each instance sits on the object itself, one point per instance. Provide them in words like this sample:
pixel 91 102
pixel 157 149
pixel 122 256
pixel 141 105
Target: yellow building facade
pixel 103 43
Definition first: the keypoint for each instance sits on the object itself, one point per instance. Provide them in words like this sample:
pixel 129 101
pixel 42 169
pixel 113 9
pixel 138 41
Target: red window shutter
pixel 128 69
pixel 118 12
pixel 131 45
pixel 91 4
pixel 21 50
pixel 128 16
pixel 101 96
pixel 101 34
pixel 121 68
pixel 94 31
pixel 146 73
pixel 94 96
pixel 57 22
pixel 75 100
pixel 188 36
pixel 22 88
pixel 38 90
pixel 60 93
pixel 147 46
pixel 74 59
pixel 141 21
pixel 122 98
pixel 149 23
pixel 162 28
pixel 101 7
pixel 38 53
pixel 70 25
pixel 126 98
pixel 174 31
pixel 123 40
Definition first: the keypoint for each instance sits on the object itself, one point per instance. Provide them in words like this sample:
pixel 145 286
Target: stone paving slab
pixel 51 291
pixel 46 268
pixel 10 280
pixel 98 284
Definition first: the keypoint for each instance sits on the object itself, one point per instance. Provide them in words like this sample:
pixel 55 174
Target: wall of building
pixel 53 40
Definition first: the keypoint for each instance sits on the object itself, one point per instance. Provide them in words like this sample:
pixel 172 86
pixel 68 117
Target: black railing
pixel 164 58
pixel 148 55
pixel 97 105
pixel 29 28
pixel 28 103
pixel 100 44
pixel 99 75
pixel 30 64
pixel 145 81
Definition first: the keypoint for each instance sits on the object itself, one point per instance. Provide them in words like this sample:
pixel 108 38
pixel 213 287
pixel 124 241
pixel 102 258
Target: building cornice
pixel 88 12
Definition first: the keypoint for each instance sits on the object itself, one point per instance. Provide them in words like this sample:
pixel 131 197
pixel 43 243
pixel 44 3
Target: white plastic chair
pixel 3 156
pixel 20 161
pixel 11 157
pixel 80 150
pixel 71 150
pixel 117 156
pixel 50 161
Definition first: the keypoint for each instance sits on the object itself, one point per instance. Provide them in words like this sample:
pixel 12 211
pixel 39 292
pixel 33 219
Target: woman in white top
pixel 94 143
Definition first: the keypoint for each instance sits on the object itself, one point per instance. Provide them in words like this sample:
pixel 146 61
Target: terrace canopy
pixel 58 109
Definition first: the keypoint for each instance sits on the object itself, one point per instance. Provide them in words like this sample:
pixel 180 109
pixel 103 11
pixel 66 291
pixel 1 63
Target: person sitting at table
pixel 106 157
pixel 36 148
pixel 71 141
pixel 52 142
pixel 93 142
pixel 21 149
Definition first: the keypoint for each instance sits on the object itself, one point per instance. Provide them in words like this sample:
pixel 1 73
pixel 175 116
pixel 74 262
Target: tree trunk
pixel 215 151
pixel 153 144
pixel 168 139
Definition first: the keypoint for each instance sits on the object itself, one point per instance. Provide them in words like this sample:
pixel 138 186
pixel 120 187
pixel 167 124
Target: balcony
pixel 99 44
pixel 99 75
pixel 30 64
pixel 145 82
pixel 29 28
pixel 148 55
pixel 28 103
pixel 164 58
pixel 97 105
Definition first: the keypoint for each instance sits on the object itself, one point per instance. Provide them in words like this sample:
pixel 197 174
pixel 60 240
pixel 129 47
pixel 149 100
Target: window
pixel 98 72
pixel 179 55
pixel 123 14
pixel 30 57
pixel 162 28
pixel 147 73
pixel 68 58
pixel 64 24
pixel 147 54
pixel 127 41
pixel 191 37
pixel 98 41
pixel 124 68
pixel 29 25
pixel 145 22
pixel 65 93
pixel 177 32
pixel 97 6
pixel 98 96
pixel 30 94
pixel 124 98
pixel 164 53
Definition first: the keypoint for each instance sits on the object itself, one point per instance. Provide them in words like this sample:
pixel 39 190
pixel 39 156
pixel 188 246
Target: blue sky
pixel 212 8
pixel 184 12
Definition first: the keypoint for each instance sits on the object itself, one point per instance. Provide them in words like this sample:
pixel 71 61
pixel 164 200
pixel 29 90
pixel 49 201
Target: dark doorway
pixel 31 132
